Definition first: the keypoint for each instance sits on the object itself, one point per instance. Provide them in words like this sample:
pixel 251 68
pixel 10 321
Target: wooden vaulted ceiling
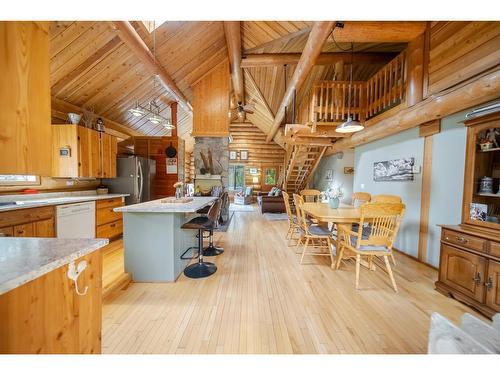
pixel 92 68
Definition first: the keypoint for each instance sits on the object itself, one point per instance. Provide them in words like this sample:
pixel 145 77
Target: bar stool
pixel 202 223
pixel 212 250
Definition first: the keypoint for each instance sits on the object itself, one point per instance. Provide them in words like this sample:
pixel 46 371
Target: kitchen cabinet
pixel 25 110
pixel 28 222
pixel 47 316
pixel 109 224
pixel 493 285
pixel 82 152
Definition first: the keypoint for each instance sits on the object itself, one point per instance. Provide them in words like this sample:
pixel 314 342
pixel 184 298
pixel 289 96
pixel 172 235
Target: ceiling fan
pixel 241 109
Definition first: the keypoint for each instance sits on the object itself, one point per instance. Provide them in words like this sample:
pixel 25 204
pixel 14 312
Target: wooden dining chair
pixel 360 197
pixel 377 239
pixel 313 235
pixel 384 198
pixel 310 195
pixel 293 224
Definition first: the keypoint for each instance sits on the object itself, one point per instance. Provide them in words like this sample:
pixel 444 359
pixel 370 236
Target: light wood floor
pixel 261 300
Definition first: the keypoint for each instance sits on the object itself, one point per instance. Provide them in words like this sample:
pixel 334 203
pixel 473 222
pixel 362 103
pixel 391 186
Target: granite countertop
pixel 157 206
pixel 25 259
pixel 51 199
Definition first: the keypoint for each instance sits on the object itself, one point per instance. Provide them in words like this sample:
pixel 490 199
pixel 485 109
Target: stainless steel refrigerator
pixel 135 176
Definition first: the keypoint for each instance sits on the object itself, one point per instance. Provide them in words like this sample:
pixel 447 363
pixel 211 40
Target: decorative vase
pixel 178 193
pixel 333 203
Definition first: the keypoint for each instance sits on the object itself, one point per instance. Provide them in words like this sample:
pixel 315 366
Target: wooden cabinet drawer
pixel 470 242
pixel 112 202
pixel 7 232
pixel 24 230
pixel 110 230
pixel 107 215
pixel 495 249
pixel 26 215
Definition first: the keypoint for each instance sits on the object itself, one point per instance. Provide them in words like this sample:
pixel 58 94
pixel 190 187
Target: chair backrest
pixel 301 218
pixel 384 198
pixel 214 211
pixel 286 198
pixel 310 195
pixel 360 197
pixel 248 191
pixel 383 219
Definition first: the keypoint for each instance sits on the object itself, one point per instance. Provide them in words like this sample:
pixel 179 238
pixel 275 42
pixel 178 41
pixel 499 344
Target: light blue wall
pixel 339 178
pixel 448 160
pixel 402 145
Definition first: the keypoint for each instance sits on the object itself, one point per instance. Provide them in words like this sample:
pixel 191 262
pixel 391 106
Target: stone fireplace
pixel 218 147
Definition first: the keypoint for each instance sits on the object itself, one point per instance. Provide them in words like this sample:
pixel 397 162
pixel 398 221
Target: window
pixel 270 176
pixel 236 177
pixel 18 179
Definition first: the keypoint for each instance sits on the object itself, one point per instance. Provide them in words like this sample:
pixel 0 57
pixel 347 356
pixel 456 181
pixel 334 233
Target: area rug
pixel 241 207
pixel 275 217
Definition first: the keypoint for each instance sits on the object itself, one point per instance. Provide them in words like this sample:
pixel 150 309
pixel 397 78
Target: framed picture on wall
pixel 329 174
pixel 232 155
pixel 244 155
pixel 253 171
pixel 348 170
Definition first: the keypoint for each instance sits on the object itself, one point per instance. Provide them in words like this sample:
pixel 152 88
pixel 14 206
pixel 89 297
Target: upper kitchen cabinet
pixel 211 104
pixel 25 132
pixel 82 152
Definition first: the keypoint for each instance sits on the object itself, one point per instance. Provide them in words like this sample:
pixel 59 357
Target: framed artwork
pixel 171 165
pixel 232 155
pixel 394 170
pixel 253 170
pixel 348 170
pixel 270 176
pixel 244 155
pixel 478 211
pixel 329 174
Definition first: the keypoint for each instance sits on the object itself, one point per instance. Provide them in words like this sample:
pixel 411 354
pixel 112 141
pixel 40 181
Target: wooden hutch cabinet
pixel 469 268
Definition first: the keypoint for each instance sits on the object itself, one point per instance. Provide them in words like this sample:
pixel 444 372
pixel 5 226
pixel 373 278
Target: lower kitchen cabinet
pixel 493 285
pixel 46 315
pixel 109 224
pixel 28 222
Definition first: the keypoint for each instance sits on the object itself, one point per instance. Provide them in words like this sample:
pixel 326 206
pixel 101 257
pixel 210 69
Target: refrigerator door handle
pixel 141 182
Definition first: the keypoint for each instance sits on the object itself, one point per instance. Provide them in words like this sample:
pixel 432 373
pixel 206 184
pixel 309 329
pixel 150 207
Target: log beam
pixel 134 41
pixel 312 49
pixel 476 91
pixel 326 58
pixel 232 30
pixel 379 32
pixel 308 141
pixel 306 131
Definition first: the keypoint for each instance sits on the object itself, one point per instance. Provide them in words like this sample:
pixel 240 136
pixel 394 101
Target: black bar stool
pixel 202 223
pixel 212 250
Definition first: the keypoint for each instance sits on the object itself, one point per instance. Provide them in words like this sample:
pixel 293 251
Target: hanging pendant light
pixel 350 125
pixel 137 111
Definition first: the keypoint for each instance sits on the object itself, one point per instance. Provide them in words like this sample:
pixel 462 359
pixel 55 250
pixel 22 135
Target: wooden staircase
pixel 300 164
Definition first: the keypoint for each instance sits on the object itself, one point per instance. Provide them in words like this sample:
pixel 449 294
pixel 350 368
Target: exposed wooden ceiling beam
pixel 312 49
pixel 327 58
pixel 65 107
pixel 322 131
pixel 308 141
pixel 379 32
pixel 476 91
pixel 134 41
pixel 232 30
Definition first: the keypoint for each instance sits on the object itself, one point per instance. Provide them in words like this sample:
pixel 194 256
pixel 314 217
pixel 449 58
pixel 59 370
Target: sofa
pixel 271 203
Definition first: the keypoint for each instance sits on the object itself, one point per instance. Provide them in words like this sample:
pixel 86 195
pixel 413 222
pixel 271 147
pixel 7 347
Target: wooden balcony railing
pixel 384 90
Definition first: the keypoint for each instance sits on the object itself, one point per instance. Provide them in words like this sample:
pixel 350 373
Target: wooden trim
pixel 280 40
pixel 312 49
pixel 415 69
pixel 430 128
pixel 427 48
pixel 425 198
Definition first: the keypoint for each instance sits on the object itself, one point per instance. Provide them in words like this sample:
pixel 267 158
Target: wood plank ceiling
pixel 92 68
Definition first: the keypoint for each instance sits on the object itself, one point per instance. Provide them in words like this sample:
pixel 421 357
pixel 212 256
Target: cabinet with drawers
pixel 469 268
pixel 109 224
pixel 28 222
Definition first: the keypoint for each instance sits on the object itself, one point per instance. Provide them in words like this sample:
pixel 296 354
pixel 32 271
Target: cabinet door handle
pixel 20 231
pixel 489 283
pixel 477 278
pixel 461 239
pixel 113 225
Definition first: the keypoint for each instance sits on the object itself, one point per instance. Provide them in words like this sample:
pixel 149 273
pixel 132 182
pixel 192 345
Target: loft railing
pixel 384 90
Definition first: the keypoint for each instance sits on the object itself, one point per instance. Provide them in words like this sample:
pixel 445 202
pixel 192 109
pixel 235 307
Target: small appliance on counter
pixel 102 190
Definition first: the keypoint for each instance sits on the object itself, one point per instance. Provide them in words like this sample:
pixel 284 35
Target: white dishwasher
pixel 76 220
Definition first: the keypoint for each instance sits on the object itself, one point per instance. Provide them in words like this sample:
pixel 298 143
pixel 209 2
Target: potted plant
pixel 334 194
pixel 178 189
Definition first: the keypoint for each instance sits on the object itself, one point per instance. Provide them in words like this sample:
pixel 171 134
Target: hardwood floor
pixel 113 268
pixel 261 300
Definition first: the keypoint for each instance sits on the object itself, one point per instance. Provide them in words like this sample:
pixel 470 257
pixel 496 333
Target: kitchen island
pixel 154 241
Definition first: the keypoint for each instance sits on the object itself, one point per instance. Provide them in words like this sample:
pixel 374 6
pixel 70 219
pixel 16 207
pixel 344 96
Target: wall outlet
pixel 362 186
pixel 416 169
pixel 70 183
